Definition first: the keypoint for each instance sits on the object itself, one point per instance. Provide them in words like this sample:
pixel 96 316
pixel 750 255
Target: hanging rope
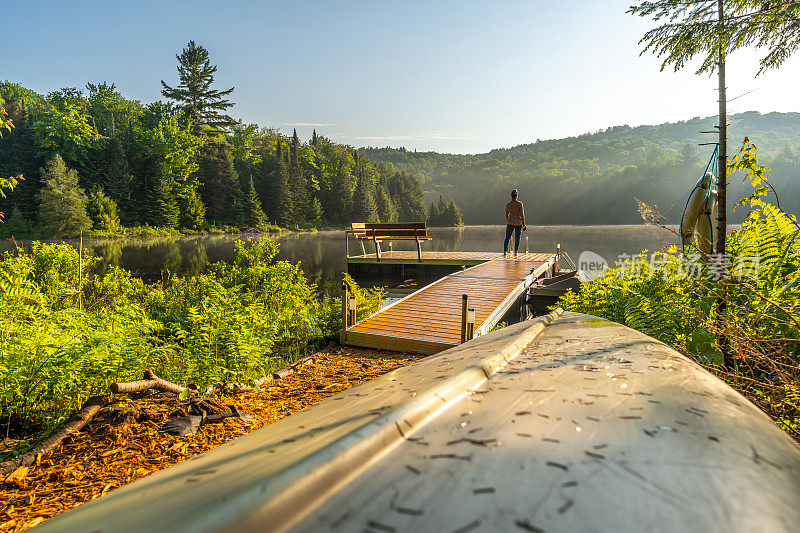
pixel 713 162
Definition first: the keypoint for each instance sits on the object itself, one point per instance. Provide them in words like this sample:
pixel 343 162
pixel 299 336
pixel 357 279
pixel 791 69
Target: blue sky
pixel 455 76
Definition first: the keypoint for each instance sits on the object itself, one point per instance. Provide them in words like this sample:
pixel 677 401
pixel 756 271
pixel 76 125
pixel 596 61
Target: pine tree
pixel 282 193
pixel 433 215
pixel 116 173
pixel 102 210
pixel 62 203
pixel 454 216
pixel 194 93
pixel 219 183
pixel 16 225
pixel 192 211
pixel 387 212
pixel 299 185
pixel 164 206
pixel 314 138
pixel 364 207
pixel 253 215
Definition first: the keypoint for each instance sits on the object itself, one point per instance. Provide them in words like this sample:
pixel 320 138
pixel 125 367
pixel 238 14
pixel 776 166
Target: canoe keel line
pixel 563 423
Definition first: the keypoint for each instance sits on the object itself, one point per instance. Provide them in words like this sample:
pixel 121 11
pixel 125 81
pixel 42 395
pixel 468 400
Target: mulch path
pixel 125 444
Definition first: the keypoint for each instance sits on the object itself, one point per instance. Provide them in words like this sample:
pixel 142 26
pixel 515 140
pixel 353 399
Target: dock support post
pixel 343 336
pixel 463 318
pixel 558 254
pixel 353 307
pixel 470 323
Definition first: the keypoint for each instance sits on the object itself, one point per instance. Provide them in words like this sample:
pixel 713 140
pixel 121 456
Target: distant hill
pixel 593 178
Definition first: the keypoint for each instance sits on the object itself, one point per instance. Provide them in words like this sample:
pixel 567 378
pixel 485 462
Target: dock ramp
pixel 429 320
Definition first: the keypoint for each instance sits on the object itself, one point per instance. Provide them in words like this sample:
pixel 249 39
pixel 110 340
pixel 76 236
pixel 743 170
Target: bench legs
pixel 377 249
pixel 419 250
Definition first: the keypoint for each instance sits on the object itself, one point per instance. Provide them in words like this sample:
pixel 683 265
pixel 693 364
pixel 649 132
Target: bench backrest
pixel 380 230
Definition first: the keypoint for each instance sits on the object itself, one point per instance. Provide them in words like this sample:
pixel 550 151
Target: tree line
pixel 594 178
pixel 95 159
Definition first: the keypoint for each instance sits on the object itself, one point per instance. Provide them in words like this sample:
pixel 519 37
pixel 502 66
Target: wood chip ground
pixel 125 444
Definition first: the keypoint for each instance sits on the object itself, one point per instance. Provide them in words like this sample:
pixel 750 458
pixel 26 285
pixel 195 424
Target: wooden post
pixel 353 306
pixel 470 323
pixel 463 318
pixel 343 336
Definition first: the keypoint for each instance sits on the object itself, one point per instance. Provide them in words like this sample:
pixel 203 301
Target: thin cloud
pixel 437 136
pixel 315 124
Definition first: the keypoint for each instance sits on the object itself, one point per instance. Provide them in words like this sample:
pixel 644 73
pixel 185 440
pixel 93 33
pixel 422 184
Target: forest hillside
pixel 593 178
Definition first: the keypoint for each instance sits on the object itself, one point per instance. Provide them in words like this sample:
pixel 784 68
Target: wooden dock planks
pixel 441 258
pixel 429 320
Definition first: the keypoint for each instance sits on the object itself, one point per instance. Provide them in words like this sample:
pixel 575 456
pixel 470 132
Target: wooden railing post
pixel 470 323
pixel 343 337
pixel 463 318
pixel 353 307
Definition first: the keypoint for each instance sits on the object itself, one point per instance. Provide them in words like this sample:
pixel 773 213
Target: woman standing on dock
pixel 515 221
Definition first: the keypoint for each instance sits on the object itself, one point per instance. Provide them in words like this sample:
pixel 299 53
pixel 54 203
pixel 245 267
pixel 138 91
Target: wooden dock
pixel 395 257
pixel 429 320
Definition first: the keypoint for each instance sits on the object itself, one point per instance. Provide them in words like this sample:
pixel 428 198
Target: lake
pixel 322 254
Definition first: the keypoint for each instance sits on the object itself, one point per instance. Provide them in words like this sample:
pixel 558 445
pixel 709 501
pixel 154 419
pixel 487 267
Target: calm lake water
pixel 322 254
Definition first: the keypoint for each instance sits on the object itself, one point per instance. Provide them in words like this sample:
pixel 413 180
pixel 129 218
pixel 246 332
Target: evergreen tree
pixel 103 211
pixel 454 216
pixel 116 173
pixel 194 93
pixel 314 138
pixel 364 207
pixel 16 225
pixel 192 210
pixel 253 215
pixel 62 203
pixel 406 193
pixel 219 183
pixel 387 212
pixel 164 211
pixel 282 193
pixel 433 215
pixel 299 185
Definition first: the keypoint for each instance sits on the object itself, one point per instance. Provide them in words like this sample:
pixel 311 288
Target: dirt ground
pixel 125 443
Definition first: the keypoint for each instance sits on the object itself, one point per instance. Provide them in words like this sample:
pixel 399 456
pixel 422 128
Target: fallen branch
pixel 237 387
pixel 150 381
pixel 74 424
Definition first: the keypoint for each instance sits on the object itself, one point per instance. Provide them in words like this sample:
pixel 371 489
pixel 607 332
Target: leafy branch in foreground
pixel 690 29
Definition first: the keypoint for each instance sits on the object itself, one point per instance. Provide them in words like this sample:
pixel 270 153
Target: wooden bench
pixel 379 232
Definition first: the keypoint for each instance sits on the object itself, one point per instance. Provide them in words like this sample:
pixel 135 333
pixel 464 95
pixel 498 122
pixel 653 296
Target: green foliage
pixel 444 214
pixel 16 225
pixel 62 203
pixel 593 178
pixel 61 128
pixel 690 29
pixel 236 321
pixel 175 166
pixel 195 95
pixel 675 300
pixel 103 212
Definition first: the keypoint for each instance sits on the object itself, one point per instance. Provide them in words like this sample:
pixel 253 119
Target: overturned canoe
pixel 563 423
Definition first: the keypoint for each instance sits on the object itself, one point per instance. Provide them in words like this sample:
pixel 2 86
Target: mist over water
pixel 322 254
